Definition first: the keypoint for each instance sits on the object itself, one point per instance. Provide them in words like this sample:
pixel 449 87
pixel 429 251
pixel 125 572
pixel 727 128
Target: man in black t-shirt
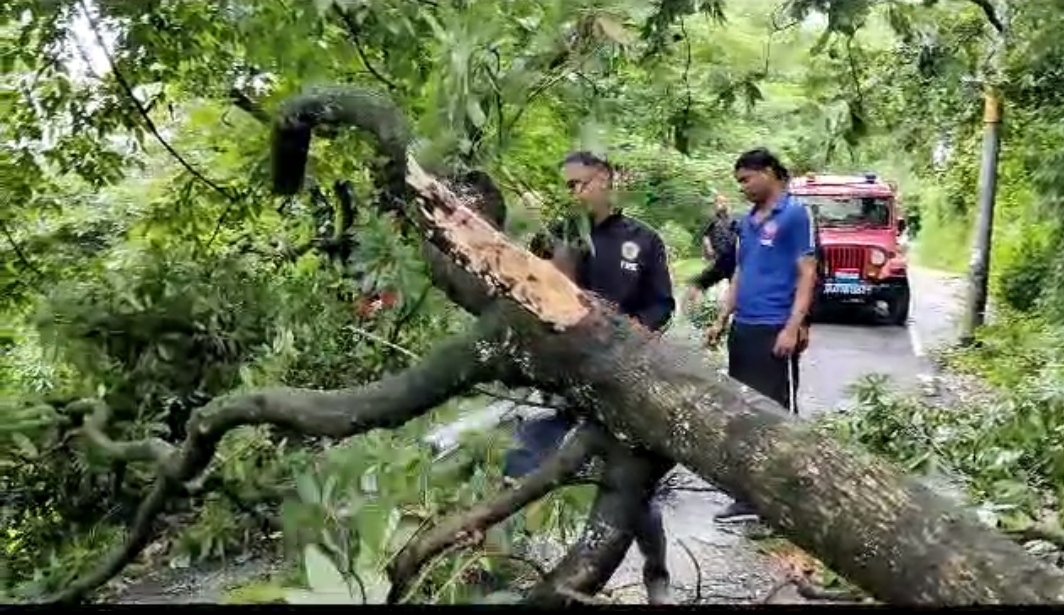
pixel 626 265
pixel 718 247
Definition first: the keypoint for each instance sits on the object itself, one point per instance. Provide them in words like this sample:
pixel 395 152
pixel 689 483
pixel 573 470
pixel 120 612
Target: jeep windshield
pixel 844 211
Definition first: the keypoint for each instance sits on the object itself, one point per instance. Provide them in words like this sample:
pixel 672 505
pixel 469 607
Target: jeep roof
pixel 866 185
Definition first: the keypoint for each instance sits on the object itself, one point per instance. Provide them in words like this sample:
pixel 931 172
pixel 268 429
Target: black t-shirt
pixel 722 233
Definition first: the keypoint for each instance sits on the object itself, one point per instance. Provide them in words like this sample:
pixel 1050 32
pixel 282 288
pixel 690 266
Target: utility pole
pixel 979 265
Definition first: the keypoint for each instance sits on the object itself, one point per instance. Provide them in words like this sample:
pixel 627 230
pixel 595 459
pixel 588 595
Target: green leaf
pixel 322 574
pixel 536 516
pixel 307 489
pixel 475 113
pixel 376 586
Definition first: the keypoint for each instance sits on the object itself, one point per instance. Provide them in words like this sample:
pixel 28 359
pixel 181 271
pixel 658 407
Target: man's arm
pixel 658 304
pixel 803 243
pixel 702 280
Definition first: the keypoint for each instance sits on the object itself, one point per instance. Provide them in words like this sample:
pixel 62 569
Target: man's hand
pixel 786 342
pixel 690 298
pixel 715 331
pixel 707 249
pixel 803 339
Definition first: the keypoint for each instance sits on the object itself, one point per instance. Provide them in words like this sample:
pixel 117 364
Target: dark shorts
pixel 751 362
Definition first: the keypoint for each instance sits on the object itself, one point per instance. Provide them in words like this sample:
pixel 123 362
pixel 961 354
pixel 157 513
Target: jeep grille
pixel 851 258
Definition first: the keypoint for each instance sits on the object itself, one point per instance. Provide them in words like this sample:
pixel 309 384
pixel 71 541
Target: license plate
pixel 847 289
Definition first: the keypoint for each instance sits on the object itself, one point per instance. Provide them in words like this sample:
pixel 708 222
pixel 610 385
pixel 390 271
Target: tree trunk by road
pixel 642 399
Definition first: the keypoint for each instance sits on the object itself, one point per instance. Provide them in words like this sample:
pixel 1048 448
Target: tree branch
pixel 445 220
pixel 352 31
pixel 991 14
pixel 626 486
pixel 451 369
pixel 18 251
pixel 469 525
pixel 149 124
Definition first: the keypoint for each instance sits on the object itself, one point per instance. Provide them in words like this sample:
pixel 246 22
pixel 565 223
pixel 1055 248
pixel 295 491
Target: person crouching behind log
pixel 627 266
pixel 771 291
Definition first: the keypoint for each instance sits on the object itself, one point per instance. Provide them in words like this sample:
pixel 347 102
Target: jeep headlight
pixel 877 258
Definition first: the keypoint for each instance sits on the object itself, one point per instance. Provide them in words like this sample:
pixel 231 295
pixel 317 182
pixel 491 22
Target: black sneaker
pixel 736 512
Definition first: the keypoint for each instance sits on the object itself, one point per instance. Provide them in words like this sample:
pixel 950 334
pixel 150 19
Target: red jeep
pixel 859 225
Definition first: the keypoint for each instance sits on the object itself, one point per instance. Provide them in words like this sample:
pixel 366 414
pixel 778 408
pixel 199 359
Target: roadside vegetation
pixel 146 264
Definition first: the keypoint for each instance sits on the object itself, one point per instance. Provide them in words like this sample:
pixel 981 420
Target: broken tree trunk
pixel 888 534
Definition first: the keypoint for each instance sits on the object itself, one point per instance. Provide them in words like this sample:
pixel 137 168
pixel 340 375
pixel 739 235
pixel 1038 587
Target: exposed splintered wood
pixel 482 250
pixel 888 534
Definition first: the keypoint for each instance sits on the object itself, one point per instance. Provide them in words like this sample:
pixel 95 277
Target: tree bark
pixel 887 533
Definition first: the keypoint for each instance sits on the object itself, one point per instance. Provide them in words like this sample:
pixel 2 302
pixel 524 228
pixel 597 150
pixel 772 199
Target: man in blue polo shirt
pixel 771 292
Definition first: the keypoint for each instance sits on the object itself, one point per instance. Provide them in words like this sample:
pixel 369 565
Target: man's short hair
pixel 761 159
pixel 588 159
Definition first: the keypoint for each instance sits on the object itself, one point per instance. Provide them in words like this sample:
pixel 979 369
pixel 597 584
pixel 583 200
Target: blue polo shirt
pixel 769 252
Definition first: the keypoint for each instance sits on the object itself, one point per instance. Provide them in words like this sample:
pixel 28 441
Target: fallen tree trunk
pixel 888 534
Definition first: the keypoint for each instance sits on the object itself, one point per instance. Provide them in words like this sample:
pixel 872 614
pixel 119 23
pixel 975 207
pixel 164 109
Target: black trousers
pixel 751 362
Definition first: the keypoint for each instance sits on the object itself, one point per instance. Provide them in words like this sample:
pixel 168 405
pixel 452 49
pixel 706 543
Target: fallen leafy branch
pixel 451 369
pixel 578 448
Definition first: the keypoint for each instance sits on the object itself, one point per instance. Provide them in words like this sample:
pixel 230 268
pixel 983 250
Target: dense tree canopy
pixel 149 266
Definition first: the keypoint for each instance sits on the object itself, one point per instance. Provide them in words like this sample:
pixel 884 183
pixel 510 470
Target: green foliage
pixel 146 263
pixel 1004 451
pixel 1003 443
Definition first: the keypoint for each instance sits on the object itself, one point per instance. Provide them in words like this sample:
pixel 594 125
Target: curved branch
pixel 451 369
pixel 155 450
pixel 469 525
pixel 446 220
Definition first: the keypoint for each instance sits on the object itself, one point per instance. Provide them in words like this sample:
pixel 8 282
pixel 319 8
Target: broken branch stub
pixel 891 536
pixel 482 250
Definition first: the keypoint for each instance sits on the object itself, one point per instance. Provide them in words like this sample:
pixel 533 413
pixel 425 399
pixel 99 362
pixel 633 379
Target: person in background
pixel 771 292
pixel 627 266
pixel 718 247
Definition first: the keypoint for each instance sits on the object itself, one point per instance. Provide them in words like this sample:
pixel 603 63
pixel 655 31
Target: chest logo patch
pixel 768 232
pixel 629 252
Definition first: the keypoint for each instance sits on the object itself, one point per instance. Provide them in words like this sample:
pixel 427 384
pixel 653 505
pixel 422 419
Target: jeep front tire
pixel 898 308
